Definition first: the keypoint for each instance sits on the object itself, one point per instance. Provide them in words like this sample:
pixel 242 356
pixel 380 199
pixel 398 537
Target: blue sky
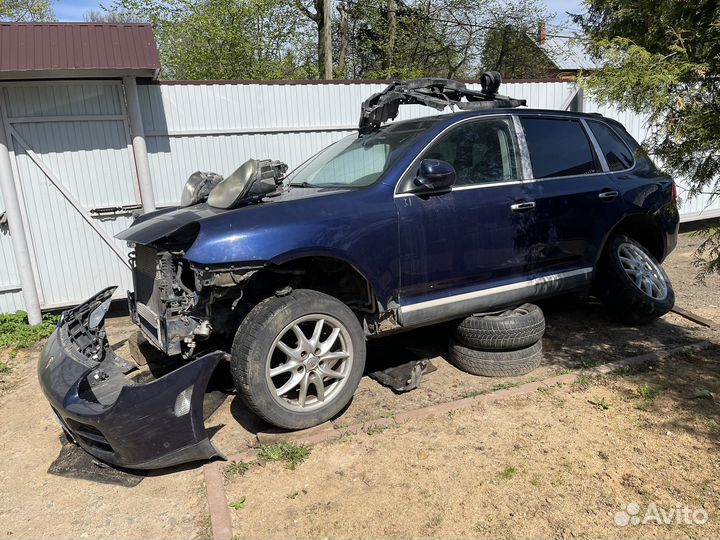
pixel 73 10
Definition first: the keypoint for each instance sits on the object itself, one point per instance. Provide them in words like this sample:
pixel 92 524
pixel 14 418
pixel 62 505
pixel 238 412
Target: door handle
pixel 519 207
pixel 607 195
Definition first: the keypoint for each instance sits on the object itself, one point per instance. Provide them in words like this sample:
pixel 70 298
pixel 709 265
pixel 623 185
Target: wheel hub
pixel 308 362
pixel 312 363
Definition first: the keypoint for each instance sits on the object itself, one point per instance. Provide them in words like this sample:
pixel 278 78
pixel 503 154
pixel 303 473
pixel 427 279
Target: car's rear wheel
pixel 631 282
pixel 297 359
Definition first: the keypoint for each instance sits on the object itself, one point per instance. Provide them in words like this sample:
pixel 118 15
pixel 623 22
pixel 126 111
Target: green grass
pixel 236 468
pixel 508 473
pixel 714 427
pixel 600 403
pixel 505 385
pixel 4 368
pixel 293 495
pixel 16 333
pixel 375 430
pixel 238 504
pixel 290 453
pixel 647 392
pixel 585 379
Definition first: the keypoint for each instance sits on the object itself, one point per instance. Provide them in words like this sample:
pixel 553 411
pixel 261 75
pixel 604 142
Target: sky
pixel 73 10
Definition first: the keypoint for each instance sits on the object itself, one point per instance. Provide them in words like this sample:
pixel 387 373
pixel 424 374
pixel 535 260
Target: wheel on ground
pixel 495 363
pixel 511 329
pixel 297 359
pixel 632 284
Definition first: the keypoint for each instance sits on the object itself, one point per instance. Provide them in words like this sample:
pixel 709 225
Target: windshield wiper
pixel 302 184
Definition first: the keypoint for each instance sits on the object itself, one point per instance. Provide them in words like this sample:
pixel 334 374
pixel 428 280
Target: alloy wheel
pixel 643 271
pixel 309 362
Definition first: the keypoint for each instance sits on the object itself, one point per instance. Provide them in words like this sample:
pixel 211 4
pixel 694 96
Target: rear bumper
pixel 119 421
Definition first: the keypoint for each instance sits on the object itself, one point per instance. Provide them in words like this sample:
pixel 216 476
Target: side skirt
pixel 459 305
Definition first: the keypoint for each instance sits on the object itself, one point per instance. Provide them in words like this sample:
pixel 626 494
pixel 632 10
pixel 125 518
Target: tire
pixel 622 295
pixel 256 349
pixel 496 363
pixel 511 329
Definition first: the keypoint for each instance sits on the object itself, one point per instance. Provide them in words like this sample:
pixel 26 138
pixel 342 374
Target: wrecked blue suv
pixel 402 225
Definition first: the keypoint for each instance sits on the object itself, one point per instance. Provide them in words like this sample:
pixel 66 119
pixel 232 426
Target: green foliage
pixel 600 403
pixel 278 39
pixel 238 504
pixel 647 392
pixel 4 368
pixel 290 453
pixel 16 333
pixel 508 473
pixel 375 430
pixel 26 10
pixel 236 468
pixel 226 39
pixel 663 60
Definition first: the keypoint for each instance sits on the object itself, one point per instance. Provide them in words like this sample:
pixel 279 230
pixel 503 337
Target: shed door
pixel 72 157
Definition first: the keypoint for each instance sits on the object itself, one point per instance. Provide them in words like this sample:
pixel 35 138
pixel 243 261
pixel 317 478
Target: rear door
pixel 572 202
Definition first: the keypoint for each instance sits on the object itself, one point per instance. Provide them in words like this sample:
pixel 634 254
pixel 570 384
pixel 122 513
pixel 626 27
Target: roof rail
pixel 436 93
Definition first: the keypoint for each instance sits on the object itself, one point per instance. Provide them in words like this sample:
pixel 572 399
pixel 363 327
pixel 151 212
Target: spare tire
pixel 512 329
pixel 496 363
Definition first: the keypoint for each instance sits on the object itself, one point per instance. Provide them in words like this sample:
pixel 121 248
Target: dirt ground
pixel 559 484
pixel 557 464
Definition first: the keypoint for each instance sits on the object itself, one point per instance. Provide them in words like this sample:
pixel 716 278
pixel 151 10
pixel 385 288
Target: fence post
pixel 8 188
pixel 137 133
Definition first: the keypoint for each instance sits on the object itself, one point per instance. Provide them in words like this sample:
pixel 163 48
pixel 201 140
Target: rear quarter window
pixel 617 154
pixel 558 147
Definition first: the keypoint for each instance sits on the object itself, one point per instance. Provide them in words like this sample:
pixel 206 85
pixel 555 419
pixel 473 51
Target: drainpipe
pixel 137 133
pixel 8 188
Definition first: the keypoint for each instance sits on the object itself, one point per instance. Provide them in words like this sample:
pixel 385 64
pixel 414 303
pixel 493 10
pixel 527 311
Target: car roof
pixel 426 122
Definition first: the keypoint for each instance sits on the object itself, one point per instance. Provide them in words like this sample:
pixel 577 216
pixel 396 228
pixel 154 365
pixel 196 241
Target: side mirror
pixel 433 175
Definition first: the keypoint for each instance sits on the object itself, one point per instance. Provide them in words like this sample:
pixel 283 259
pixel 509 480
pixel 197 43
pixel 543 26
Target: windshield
pixel 355 162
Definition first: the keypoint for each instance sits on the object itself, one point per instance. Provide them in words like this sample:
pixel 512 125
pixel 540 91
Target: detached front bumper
pixel 116 419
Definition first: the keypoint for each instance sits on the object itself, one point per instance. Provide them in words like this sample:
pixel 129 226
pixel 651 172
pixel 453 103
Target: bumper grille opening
pixel 89 435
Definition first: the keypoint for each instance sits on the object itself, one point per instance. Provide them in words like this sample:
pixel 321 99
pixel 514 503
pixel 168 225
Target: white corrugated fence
pixel 74 165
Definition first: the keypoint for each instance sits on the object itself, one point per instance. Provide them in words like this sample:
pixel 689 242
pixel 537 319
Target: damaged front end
pixel 117 413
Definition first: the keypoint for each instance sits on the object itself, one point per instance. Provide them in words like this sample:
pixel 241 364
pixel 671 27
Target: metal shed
pixel 71 141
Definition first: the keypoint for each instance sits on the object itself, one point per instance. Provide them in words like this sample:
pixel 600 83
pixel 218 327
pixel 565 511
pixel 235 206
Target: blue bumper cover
pixel 122 422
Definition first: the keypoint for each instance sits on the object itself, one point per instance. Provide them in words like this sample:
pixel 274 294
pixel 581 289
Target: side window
pixel 558 147
pixel 482 151
pixel 617 154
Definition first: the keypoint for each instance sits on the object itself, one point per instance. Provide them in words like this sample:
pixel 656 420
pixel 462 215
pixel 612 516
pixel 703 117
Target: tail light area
pixel 674 193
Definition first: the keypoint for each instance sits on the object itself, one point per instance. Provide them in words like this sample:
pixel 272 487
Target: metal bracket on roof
pixel 436 93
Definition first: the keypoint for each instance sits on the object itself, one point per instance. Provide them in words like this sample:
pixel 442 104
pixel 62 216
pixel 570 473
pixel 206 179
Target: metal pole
pixel 137 133
pixel 8 187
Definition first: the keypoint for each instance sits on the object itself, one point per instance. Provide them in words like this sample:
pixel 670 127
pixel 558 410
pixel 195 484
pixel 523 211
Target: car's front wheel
pixel 297 359
pixel 632 284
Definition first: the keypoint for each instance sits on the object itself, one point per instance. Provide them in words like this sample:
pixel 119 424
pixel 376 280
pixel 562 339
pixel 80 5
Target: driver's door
pixel 457 242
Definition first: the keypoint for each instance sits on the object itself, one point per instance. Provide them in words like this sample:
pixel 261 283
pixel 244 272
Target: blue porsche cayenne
pixel 405 224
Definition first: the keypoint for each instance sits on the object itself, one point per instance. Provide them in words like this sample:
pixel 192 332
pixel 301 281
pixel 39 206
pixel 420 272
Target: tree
pixel 322 18
pixel 509 46
pixel 225 39
pixel 662 59
pixel 26 10
pixel 98 16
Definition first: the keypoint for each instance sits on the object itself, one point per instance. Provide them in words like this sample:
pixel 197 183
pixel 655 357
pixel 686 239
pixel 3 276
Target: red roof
pixel 53 49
